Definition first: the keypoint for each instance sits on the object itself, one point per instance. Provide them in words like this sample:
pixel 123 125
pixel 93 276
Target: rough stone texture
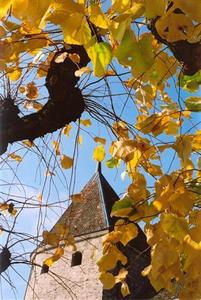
pixel 78 282
pixel 92 213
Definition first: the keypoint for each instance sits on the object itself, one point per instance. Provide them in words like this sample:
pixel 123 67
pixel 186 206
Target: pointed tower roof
pixel 92 213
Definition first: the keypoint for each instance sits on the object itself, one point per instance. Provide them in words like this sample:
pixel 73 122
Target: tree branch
pixel 65 103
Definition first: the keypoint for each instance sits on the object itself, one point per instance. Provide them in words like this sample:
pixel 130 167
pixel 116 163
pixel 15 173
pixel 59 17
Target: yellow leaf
pixel 155 123
pixel 174 27
pixel 31 91
pixel 80 139
pixel 128 231
pixel 40 197
pixel 76 197
pixel 71 17
pixel 125 289
pixel 133 163
pixel 99 153
pixel 196 142
pixel 85 122
pixel 61 57
pixel 155 8
pixel 121 276
pixel 172 128
pixel 66 162
pixel 50 238
pixel 30 12
pixel 16 157
pixel 66 129
pixel 109 260
pixel 14 73
pixel 107 279
pixel 153 169
pixel 28 143
pixel 191 8
pixel 5 7
pixel 112 237
pixel 176 227
pixel 37 106
pixel 56 147
pixel 70 241
pixel 74 57
pixel 100 140
pixel 57 255
pixel 82 71
pixel 121 129
pixel 97 17
pixel 123 149
pixel 4 206
pixel 183 146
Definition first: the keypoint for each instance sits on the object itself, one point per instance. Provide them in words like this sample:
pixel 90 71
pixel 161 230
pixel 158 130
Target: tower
pixel 77 272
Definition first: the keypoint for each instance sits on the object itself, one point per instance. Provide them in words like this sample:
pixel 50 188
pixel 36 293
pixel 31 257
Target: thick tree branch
pixel 188 54
pixel 65 103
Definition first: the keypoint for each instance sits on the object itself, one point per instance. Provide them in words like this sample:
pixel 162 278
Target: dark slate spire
pixel 92 213
pixel 99 168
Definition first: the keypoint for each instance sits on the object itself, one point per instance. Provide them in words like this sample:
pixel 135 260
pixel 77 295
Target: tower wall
pixel 78 282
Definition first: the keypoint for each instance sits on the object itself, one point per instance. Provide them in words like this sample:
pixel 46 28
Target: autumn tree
pixel 129 66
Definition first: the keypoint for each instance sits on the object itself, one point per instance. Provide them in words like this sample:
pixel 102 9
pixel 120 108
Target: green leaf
pixel 190 83
pixel 122 208
pixel 193 103
pixel 137 54
pixel 112 162
pixel 100 55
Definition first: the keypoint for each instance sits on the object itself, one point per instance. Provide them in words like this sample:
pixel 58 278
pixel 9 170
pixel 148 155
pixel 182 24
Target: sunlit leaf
pixel 66 162
pixel 121 276
pixel 193 103
pixel 80 139
pixel 107 279
pixel 125 289
pixel 97 17
pixel 112 163
pixel 100 140
pixel 85 122
pixel 128 231
pixel 14 73
pixel 28 143
pixel 76 197
pixel 56 147
pixel 190 83
pixel 122 208
pixel 31 91
pixel 100 55
pixel 16 157
pixel 50 238
pixel 67 129
pixel 174 226
pixel 155 8
pixel 84 70
pixel 99 153
pixel 183 146
pixel 191 8
pixel 174 27
pixel 61 57
pixel 57 255
pixel 74 57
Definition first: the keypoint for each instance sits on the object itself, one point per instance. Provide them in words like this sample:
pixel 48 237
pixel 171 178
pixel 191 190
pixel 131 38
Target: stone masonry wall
pixel 64 282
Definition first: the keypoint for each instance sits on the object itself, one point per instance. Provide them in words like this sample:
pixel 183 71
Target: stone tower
pixel 75 275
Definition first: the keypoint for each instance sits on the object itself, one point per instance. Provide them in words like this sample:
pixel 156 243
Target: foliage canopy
pixel 152 50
